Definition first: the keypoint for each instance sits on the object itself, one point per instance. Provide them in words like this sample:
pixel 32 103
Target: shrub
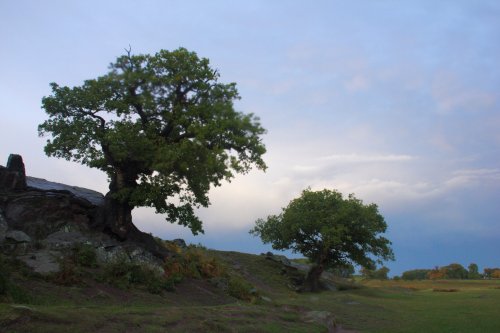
pixel 193 263
pixel 9 290
pixel 124 274
pixel 241 289
pixel 84 255
pixel 69 273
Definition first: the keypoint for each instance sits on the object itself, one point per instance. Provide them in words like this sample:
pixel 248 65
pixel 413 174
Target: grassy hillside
pixel 202 305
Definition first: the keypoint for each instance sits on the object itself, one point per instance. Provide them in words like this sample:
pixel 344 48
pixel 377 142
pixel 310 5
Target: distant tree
pixel 452 271
pixel 344 271
pixel 381 273
pixel 436 273
pixel 329 230
pixel 162 127
pixel 455 271
pixel 492 273
pixel 415 274
pixel 473 271
pixel 366 273
pixel 377 274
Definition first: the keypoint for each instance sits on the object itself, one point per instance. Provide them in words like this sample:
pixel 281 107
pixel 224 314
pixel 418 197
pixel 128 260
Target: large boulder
pixel 40 213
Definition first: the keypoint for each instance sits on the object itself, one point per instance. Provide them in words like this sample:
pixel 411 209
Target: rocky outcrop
pixel 13 177
pixel 41 220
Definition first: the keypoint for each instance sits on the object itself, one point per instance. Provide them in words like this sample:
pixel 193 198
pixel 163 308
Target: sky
pixel 395 101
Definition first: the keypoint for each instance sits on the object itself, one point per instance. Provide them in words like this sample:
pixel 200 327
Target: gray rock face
pixel 93 197
pixel 42 221
pixel 181 243
pixel 278 258
pixel 15 163
pixel 40 214
pixel 3 227
pixel 17 236
pixel 13 178
pixel 42 261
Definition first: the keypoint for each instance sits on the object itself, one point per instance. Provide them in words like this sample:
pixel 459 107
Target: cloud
pixel 466 177
pixel 369 158
pixel 357 83
pixel 451 95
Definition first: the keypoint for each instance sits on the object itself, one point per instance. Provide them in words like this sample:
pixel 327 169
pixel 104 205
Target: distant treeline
pixel 452 271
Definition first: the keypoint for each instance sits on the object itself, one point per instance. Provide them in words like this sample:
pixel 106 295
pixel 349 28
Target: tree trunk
pixel 118 215
pixel 119 211
pixel 312 282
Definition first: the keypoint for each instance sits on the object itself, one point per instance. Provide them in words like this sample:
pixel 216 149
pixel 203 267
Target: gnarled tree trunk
pixel 118 215
pixel 118 210
pixel 312 282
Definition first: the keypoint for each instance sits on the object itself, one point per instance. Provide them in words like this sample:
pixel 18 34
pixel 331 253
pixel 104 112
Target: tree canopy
pixel 162 127
pixel 330 230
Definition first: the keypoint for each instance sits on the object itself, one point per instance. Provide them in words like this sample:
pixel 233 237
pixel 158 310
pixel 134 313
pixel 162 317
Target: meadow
pixel 197 305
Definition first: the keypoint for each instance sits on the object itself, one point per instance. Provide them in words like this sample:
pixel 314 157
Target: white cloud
pixel 357 83
pixel 366 158
pixel 451 95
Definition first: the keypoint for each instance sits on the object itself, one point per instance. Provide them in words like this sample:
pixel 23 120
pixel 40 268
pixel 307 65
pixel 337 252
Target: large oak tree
pixel 162 127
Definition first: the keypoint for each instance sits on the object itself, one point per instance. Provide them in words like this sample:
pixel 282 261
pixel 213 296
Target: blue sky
pixel 395 101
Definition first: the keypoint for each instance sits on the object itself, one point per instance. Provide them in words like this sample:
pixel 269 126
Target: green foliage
pixel 9 290
pixel 378 274
pixel 454 271
pixel 329 230
pixel 124 274
pixel 241 289
pixel 345 271
pixel 71 266
pixel 415 274
pixel 492 273
pixel 193 262
pixel 160 126
pixel 473 271
pixel 84 255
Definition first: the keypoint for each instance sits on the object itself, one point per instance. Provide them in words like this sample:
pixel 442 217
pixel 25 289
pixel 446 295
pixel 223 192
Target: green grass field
pixel 197 306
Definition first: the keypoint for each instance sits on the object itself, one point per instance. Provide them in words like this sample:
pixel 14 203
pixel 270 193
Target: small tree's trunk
pixel 312 282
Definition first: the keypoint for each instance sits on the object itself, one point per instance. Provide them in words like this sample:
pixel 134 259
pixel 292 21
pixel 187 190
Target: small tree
pixel 473 271
pixel 377 274
pixel 329 230
pixel 455 271
pixel 162 127
pixel 344 271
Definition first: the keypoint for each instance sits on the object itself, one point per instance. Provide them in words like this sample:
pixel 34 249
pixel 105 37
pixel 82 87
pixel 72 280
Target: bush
pixel 69 273
pixel 9 290
pixel 193 263
pixel 241 289
pixel 84 255
pixel 124 274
